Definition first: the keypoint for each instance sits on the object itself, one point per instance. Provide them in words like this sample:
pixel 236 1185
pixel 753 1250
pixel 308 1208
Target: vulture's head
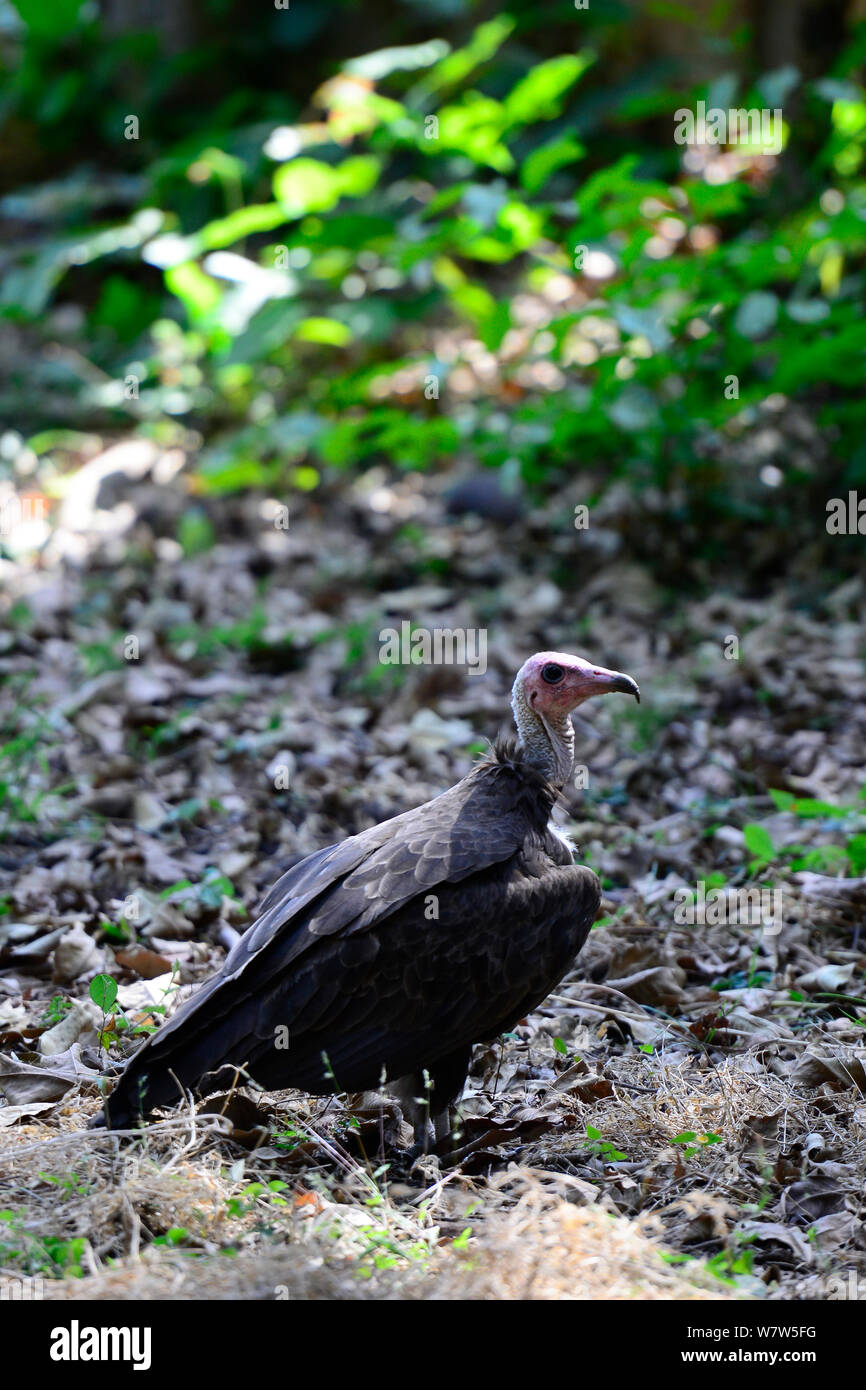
pixel 554 683
pixel 546 689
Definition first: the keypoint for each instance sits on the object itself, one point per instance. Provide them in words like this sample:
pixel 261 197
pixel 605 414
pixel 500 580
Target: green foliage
pixel 103 992
pixel 21 757
pixel 175 1237
pixel 117 931
pixel 693 1143
pixel 289 283
pixel 602 1148
pixel 69 1185
pixel 850 857
pixel 53 1256
pixel 729 1265
pixel 195 532
pixel 760 844
pixel 49 21
pixel 56 1009
pixel 214 887
pixel 256 1194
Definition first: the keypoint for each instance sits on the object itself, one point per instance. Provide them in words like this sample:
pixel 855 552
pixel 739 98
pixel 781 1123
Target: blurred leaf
pixel 525 225
pixel 539 95
pixel 266 331
pixel 307 185
pixel 759 842
pixel 381 64
pixel 49 21
pixel 221 473
pixel 198 292
pixel 28 288
pixel 482 46
pixel 322 330
pixel 783 800
pixel 125 308
pixel 195 532
pixel 722 91
pixel 541 164
pixel 225 231
pixel 474 128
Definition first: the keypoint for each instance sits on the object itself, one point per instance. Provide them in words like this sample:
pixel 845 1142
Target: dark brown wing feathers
pixel 420 936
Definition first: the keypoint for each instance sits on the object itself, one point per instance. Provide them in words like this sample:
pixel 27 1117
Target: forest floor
pixel 192 699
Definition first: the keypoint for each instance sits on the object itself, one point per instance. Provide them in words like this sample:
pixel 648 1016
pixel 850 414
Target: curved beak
pixel 625 684
pixel 602 682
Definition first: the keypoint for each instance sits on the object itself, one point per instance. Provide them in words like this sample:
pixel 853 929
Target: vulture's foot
pixel 428 1095
pixel 442 1125
pixel 425 1168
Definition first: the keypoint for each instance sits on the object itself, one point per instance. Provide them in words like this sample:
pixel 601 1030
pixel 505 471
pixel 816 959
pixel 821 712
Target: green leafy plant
pixel 822 859
pixel 69 1184
pixel 56 1009
pixel 103 992
pixel 601 1148
pixel 54 1256
pixel 694 1143
pixel 253 1194
pixel 174 1238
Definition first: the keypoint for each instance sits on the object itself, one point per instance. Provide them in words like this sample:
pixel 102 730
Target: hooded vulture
pixel 387 956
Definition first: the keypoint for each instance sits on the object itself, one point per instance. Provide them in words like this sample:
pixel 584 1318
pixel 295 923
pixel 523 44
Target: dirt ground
pixel 184 718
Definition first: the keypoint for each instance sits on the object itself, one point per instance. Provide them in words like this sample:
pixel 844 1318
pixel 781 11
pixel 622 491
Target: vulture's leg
pixel 413 1096
pixel 449 1078
pixel 429 1093
pixel 442 1125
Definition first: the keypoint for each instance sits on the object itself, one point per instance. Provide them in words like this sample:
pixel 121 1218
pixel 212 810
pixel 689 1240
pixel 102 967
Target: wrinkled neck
pixel 547 742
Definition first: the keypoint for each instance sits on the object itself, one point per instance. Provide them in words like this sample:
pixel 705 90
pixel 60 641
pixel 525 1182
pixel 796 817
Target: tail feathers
pixel 210 1033
pixel 144 1088
pixel 137 1094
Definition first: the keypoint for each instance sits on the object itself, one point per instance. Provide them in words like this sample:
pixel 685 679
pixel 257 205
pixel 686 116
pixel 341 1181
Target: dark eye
pixel 552 673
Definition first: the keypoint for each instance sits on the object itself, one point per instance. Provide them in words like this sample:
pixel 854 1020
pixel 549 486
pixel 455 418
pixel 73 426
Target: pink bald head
pixel 554 683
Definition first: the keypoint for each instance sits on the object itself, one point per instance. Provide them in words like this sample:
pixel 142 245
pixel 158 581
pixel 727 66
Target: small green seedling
pixel 695 1142
pixel 602 1148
